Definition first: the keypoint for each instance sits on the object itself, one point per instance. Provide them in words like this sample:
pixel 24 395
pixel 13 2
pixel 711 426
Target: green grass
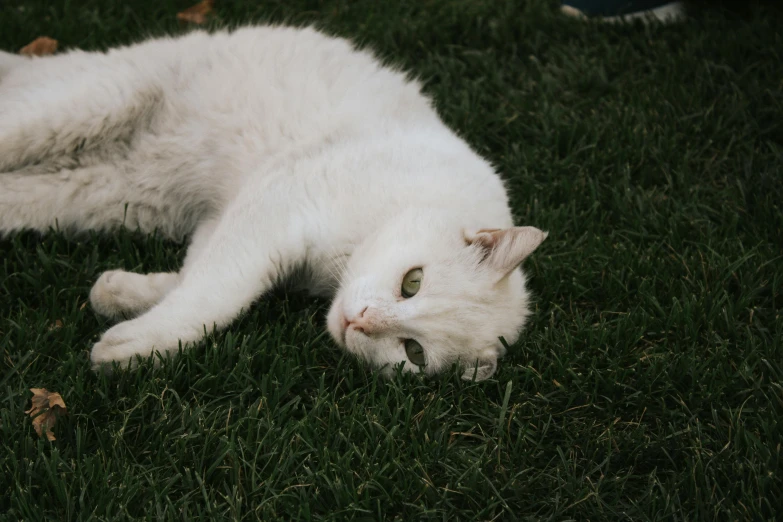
pixel 649 385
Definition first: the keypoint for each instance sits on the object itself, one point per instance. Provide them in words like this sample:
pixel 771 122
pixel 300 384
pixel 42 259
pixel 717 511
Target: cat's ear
pixel 481 369
pixel 505 248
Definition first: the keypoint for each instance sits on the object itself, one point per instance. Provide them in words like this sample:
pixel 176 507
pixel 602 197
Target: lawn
pixel 648 386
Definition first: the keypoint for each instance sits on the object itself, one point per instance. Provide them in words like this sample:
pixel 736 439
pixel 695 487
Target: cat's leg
pixel 98 197
pixel 61 104
pixel 257 240
pixel 118 294
pixel 199 243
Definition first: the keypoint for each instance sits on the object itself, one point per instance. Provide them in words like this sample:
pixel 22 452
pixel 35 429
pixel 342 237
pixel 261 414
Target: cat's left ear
pixel 481 369
pixel 505 249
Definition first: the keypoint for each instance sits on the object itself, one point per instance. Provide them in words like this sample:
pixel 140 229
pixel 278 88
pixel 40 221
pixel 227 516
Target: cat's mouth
pixel 337 324
pixel 343 327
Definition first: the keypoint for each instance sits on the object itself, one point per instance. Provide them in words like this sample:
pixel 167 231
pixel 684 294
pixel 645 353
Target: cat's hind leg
pixel 99 197
pixel 70 200
pixel 58 105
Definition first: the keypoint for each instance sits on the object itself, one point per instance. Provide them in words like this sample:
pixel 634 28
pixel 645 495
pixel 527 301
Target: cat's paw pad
pixel 118 295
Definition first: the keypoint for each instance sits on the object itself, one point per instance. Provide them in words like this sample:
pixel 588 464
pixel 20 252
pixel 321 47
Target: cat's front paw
pixel 118 294
pixel 121 344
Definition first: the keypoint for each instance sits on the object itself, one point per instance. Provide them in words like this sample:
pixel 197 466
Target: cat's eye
pixel 411 282
pixel 415 352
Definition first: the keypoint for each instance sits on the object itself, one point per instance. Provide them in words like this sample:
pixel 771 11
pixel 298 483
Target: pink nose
pixel 362 322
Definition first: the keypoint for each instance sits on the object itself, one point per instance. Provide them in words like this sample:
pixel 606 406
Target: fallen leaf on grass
pixel 47 406
pixel 198 13
pixel 41 46
pixel 56 325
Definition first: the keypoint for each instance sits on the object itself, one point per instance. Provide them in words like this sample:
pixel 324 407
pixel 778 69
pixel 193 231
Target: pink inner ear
pixel 486 238
pixel 483 235
pixel 505 249
pixel 481 369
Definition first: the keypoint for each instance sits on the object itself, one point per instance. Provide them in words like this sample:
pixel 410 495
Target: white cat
pixel 275 150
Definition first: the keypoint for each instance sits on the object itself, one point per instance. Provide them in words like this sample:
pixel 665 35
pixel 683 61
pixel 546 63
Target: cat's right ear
pixel 481 370
pixel 505 249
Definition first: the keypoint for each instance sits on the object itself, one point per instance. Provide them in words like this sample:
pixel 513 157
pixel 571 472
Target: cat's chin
pixel 336 323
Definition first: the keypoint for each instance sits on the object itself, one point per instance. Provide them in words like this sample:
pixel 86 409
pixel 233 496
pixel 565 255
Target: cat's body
pixel 273 149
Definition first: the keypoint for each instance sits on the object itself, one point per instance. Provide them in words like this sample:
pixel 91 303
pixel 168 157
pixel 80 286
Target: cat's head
pixel 424 289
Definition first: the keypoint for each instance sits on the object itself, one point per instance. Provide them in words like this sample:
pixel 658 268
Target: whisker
pixel 336 266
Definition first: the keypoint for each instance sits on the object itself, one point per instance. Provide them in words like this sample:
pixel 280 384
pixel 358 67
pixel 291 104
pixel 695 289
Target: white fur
pixel 276 150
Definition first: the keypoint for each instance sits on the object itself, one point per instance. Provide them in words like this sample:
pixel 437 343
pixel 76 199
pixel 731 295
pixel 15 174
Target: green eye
pixel 415 352
pixel 411 282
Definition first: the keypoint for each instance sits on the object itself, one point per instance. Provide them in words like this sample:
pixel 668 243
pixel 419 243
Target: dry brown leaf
pixel 41 46
pixel 45 410
pixel 198 13
pixel 56 325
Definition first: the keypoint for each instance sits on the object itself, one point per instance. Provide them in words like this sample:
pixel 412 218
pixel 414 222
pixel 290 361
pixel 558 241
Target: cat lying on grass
pixel 273 150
